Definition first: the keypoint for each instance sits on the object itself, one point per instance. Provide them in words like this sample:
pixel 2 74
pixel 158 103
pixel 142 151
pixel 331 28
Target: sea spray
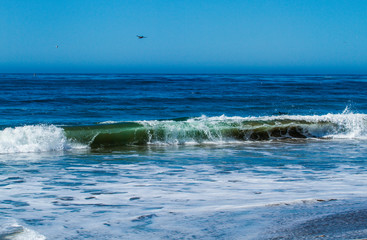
pixel 33 138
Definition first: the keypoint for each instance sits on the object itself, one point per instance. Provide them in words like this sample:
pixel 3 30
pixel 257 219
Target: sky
pixel 183 36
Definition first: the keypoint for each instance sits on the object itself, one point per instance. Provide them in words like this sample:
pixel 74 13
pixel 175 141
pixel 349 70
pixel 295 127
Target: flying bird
pixel 57 46
pixel 140 36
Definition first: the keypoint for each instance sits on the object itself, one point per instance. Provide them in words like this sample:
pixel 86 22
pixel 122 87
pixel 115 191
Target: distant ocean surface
pixel 117 156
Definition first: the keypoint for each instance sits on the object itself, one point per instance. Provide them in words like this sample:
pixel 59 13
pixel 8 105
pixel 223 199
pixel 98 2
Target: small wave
pixel 108 122
pixel 188 131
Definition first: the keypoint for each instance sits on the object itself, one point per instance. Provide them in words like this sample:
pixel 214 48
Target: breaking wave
pixel 33 138
pixel 200 130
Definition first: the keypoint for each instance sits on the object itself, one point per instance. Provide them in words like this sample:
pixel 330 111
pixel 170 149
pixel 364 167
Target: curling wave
pixel 200 130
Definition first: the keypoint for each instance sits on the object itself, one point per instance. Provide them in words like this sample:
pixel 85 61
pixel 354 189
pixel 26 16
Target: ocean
pixel 142 156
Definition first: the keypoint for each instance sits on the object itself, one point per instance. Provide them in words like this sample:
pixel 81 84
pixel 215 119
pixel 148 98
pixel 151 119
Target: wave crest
pixel 200 130
pixel 32 138
pixel 221 129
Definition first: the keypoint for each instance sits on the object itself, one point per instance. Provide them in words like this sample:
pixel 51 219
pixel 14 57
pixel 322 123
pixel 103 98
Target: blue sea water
pixel 112 156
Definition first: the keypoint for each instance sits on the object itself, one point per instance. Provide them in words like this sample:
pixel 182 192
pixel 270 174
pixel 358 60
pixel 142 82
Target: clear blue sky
pixel 184 36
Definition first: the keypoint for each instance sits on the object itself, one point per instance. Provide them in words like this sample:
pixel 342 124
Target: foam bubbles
pixel 33 138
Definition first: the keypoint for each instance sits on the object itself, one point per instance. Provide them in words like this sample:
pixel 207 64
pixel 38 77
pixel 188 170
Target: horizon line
pixel 107 73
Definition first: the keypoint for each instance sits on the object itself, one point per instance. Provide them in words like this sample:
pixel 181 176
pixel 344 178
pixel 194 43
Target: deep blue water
pixel 96 156
pixel 89 99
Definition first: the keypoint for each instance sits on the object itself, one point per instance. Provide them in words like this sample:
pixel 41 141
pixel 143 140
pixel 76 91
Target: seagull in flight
pixel 140 36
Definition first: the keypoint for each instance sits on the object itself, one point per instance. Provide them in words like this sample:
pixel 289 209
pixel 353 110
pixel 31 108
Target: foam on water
pixel 133 201
pixel 33 138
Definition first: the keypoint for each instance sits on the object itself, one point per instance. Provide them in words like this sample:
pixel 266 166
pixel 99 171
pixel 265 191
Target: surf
pixel 183 131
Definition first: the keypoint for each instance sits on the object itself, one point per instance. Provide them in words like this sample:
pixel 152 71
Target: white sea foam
pixel 211 192
pixel 108 122
pixel 33 138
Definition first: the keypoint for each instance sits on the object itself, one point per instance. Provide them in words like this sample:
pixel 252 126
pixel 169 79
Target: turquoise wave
pixel 201 130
